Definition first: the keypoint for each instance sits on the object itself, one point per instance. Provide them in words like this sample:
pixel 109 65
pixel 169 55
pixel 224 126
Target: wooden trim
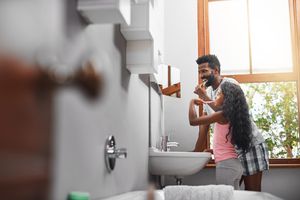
pixel 203 48
pixel 203 43
pixel 175 88
pixel 293 24
pixel 249 38
pixel 274 163
pixel 270 77
pixel 218 0
pixel 203 30
pixel 297 30
pixel 169 76
pixel 296 40
pixel 203 35
pixel 291 161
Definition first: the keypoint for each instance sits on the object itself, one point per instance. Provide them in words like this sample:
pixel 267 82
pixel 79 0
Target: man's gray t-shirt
pixel 212 94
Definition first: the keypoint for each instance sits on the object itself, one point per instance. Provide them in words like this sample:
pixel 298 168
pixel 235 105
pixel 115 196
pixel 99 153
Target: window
pixel 273 106
pixel 258 42
pixel 248 34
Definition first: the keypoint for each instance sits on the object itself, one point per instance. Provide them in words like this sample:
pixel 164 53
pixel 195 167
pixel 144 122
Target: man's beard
pixel 210 80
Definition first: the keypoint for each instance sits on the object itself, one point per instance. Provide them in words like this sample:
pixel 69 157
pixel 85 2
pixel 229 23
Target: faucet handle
pixel 121 153
pixel 163 142
pixel 112 153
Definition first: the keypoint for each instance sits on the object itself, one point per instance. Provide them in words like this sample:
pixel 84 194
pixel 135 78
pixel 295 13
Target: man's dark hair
pixel 212 60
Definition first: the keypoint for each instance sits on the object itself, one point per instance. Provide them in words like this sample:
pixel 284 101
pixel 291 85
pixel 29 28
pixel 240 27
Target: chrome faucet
pixel 166 145
pixel 112 153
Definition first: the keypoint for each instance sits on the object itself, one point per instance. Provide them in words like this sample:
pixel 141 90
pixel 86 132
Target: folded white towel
pixel 207 192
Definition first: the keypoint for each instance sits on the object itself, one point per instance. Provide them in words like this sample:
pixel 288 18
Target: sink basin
pixel 177 163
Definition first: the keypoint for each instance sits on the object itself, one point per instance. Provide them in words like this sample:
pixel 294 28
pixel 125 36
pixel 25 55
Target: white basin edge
pixel 153 152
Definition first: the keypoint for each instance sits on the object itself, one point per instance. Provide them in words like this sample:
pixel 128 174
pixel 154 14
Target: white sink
pixel 177 163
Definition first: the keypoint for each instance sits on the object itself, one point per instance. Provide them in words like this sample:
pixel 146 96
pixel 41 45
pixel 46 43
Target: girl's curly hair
pixel 236 111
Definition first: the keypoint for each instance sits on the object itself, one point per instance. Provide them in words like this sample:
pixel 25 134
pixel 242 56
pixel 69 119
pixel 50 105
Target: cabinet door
pixel 25 127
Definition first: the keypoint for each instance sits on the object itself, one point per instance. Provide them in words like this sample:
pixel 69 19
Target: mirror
pixel 169 80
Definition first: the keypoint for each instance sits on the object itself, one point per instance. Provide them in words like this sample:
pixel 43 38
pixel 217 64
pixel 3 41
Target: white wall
pixel 156 116
pixel 55 34
pixel 83 126
pixel 181 52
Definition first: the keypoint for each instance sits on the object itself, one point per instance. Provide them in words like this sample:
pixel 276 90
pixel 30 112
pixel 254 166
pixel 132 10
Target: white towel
pixel 207 192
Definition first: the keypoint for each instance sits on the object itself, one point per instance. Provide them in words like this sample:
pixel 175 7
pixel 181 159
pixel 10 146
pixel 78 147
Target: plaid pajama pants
pixel 255 160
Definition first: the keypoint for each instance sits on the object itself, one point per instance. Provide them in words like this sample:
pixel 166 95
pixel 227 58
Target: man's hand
pixel 197 102
pixel 209 150
pixel 200 90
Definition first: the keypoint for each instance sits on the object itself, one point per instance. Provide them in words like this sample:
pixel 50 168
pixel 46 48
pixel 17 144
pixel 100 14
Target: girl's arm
pixel 205 119
pixel 201 91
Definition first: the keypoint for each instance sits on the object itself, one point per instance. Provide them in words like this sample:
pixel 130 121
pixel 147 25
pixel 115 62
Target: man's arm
pixel 201 143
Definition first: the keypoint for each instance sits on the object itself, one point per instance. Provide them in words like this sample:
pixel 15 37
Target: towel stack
pixel 207 192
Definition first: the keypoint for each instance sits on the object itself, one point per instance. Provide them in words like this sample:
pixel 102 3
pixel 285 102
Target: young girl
pixel 232 131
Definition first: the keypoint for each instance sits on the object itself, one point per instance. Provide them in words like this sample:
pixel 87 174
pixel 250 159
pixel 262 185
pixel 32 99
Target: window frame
pixel 203 48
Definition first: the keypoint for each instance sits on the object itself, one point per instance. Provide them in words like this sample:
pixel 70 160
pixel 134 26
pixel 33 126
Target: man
pixel 256 160
pixel 209 72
